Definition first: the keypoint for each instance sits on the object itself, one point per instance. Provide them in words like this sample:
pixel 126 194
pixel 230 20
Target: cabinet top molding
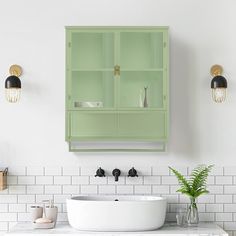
pixel 119 27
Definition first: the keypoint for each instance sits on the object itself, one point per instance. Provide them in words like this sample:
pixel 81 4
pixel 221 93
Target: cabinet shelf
pixel 117 110
pixel 141 69
pixel 92 69
pixel 92 109
pixel 117 138
pixel 139 109
pixel 121 69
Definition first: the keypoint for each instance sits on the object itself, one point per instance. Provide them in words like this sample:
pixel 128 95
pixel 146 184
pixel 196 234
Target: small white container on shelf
pixel 36 213
pixel 51 213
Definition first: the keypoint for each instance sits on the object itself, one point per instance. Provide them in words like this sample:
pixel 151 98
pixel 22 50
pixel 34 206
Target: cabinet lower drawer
pixel 117 125
pixel 90 124
pixel 142 125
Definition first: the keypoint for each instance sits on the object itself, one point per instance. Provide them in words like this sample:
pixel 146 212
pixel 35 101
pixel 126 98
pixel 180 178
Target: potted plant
pixel 193 187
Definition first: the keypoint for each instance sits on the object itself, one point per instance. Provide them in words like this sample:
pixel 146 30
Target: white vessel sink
pixel 116 213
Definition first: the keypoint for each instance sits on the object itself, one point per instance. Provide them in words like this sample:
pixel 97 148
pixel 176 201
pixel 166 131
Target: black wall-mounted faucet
pixel 132 173
pixel 100 172
pixel 116 174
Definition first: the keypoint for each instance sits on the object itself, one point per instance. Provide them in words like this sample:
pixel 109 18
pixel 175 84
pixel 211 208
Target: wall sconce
pixel 13 84
pixel 218 84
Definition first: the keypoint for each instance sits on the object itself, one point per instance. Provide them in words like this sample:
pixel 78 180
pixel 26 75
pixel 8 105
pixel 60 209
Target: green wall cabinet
pixel 107 69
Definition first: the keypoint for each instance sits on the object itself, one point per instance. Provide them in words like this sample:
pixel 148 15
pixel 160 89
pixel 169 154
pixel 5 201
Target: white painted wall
pixel 202 33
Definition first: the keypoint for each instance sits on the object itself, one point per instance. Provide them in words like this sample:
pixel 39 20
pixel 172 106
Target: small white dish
pixel 43 225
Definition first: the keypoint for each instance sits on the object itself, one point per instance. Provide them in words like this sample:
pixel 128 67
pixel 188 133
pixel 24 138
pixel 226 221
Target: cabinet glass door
pixel 92 65
pixel 141 66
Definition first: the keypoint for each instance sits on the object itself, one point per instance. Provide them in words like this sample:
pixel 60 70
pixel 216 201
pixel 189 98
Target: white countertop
pixel 203 229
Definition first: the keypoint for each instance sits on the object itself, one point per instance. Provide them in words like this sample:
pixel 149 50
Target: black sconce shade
pixel 12 82
pixel 218 82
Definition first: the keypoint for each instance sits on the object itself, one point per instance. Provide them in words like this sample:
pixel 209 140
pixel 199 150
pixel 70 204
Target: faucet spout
pixel 116 178
pixel 116 174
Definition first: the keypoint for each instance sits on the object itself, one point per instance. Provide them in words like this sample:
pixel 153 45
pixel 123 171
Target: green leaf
pixel 196 184
pixel 200 193
pixel 199 177
pixel 187 193
pixel 181 179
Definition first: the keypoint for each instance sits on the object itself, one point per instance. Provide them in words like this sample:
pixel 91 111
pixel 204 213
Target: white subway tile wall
pixel 29 185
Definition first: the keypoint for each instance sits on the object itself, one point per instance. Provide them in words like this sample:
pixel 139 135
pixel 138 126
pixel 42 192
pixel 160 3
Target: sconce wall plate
pixel 15 70
pixel 216 70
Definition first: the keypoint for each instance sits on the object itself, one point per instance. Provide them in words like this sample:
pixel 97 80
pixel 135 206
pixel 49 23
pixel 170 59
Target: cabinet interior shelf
pixel 92 69
pixel 118 110
pixel 118 138
pixel 112 69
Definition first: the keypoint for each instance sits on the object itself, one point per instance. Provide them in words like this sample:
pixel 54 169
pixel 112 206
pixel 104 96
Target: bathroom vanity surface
pixel 203 229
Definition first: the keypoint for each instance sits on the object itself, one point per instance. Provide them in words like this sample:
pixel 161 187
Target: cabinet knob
pixel 116 70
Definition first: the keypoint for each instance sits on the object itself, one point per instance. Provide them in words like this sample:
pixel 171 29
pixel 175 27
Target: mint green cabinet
pixel 107 69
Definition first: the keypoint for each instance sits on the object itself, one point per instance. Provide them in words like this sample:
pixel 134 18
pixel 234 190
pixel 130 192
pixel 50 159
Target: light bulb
pixel 219 94
pixel 12 94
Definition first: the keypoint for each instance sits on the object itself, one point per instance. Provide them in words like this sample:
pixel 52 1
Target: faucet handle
pixel 100 172
pixel 132 172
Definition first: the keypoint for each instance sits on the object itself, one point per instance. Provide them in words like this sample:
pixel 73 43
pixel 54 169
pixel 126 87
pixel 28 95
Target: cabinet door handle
pixel 116 70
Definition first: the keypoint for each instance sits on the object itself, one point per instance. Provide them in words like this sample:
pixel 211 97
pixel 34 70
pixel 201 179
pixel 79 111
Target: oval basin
pixel 116 213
